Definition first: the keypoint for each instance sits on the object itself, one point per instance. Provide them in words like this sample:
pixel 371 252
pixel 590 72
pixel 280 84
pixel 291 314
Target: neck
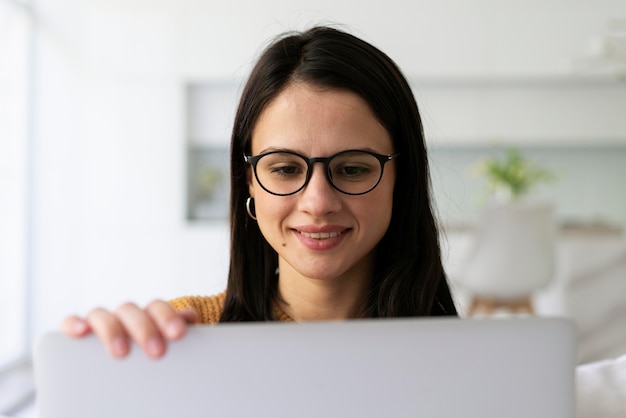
pixel 306 299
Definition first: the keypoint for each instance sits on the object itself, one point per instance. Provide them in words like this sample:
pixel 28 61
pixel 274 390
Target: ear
pixel 250 181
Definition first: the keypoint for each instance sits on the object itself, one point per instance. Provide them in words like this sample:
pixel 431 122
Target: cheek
pixel 271 214
pixel 379 206
pixel 270 209
pixel 378 211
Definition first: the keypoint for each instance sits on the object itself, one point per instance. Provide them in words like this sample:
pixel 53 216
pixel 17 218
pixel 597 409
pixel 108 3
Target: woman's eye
pixel 353 171
pixel 285 170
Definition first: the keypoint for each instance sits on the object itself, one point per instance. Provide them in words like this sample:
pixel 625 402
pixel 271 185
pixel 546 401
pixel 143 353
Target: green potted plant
pixel 512 176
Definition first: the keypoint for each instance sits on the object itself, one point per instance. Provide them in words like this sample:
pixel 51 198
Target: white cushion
pixel 601 389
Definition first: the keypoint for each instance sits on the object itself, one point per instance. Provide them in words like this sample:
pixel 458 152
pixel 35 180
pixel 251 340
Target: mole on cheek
pixel 284 244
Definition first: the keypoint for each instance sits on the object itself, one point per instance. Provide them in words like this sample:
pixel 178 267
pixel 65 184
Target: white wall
pixel 14 76
pixel 110 121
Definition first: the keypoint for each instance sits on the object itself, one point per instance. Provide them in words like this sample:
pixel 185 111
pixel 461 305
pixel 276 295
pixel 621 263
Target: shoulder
pixel 209 308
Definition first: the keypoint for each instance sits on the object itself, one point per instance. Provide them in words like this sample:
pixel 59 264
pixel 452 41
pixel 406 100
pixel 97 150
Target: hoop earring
pixel 248 200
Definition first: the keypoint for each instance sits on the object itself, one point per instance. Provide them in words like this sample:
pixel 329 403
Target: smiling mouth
pixel 320 235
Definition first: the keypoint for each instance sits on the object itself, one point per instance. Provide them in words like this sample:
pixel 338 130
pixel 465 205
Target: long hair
pixel 409 278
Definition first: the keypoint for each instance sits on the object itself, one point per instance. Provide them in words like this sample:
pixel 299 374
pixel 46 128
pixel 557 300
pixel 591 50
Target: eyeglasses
pixel 353 172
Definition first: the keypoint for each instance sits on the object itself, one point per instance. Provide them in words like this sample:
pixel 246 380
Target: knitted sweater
pixel 209 308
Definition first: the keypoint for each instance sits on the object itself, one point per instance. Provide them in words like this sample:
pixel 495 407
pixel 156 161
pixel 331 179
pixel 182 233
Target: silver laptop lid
pixel 365 368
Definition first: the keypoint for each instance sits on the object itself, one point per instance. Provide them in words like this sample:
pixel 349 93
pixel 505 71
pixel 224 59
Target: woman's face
pixel 319 232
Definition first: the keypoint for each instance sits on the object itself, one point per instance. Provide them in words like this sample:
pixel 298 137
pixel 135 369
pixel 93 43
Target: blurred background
pixel 114 130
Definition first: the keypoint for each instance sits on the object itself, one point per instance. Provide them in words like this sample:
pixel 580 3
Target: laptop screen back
pixel 364 368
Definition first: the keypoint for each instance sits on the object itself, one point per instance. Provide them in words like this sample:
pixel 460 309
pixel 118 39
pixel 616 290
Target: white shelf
pixel 568 110
pixel 544 144
pixel 506 81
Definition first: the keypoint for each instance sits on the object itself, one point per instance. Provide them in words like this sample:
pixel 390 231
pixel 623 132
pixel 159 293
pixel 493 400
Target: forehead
pixel 310 119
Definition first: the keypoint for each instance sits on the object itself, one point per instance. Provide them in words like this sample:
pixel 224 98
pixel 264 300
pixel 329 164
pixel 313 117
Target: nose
pixel 319 197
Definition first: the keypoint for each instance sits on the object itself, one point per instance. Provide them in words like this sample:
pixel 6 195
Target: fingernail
pixel 174 329
pixel 79 326
pixel 119 346
pixel 155 347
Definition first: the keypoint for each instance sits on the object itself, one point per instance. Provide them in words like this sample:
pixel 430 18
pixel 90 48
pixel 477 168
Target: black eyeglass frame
pixel 382 159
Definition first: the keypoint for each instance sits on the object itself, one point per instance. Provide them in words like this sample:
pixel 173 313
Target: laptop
pixel 451 368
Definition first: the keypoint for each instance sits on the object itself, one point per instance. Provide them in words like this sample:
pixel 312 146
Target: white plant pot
pixel 514 251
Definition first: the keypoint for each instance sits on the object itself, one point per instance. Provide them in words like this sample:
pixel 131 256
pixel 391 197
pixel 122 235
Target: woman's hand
pixel 151 328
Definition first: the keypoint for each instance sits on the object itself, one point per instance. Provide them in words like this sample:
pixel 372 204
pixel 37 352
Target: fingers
pixel 110 330
pixel 150 328
pixel 75 326
pixel 169 324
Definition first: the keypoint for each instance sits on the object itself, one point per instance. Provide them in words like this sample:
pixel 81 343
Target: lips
pixel 320 235
pixel 321 238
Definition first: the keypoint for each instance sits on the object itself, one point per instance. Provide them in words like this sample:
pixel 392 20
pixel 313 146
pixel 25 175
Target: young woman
pixel 331 215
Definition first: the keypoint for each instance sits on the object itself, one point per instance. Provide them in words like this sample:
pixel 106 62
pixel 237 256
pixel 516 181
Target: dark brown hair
pixel 409 279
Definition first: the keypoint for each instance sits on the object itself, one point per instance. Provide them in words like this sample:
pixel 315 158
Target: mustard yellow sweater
pixel 209 308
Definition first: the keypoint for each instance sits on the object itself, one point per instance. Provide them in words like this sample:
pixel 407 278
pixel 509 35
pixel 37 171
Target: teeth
pixel 320 235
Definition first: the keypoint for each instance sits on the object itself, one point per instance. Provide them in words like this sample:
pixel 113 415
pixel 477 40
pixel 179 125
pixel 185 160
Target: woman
pixel 330 201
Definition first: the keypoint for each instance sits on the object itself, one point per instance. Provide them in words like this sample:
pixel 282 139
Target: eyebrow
pixel 271 149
